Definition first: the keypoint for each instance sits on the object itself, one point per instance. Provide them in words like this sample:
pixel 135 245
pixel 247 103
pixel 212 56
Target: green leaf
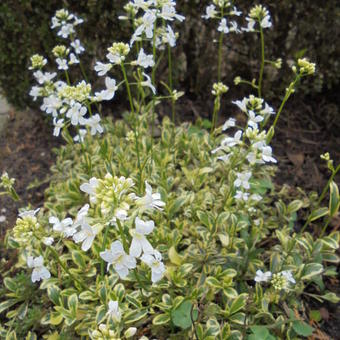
pixel 134 316
pixel 318 213
pixel 176 205
pixel 238 304
pixel 260 332
pixel 10 284
pixel 302 328
pixel 334 199
pixel 315 315
pixel 73 304
pixel 181 316
pixel 294 206
pixel 7 304
pixel 53 293
pixel 78 259
pixel 213 282
pixel 332 297
pixel 310 270
pixel 161 319
pixel 174 257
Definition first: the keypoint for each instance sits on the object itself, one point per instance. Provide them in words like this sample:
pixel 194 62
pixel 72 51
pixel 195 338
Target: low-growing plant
pixel 180 235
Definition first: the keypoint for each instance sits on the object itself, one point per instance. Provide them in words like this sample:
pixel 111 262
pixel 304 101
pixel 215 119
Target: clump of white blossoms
pixel 279 281
pixel 220 10
pixel 67 103
pixel 115 197
pixel 258 15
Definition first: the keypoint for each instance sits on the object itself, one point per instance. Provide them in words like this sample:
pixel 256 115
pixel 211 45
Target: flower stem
pixel 135 127
pixel 259 89
pixel 56 255
pixel 103 248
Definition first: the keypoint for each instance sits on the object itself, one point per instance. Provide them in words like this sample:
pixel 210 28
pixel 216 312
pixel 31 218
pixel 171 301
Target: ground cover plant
pixel 152 230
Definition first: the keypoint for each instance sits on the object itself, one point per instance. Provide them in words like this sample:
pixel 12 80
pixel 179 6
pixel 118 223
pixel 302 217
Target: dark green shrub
pixel 308 24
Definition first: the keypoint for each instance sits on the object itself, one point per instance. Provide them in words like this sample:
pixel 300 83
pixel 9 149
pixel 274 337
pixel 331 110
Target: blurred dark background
pixel 300 28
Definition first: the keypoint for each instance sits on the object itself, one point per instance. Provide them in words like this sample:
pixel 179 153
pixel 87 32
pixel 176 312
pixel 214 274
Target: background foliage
pixel 25 31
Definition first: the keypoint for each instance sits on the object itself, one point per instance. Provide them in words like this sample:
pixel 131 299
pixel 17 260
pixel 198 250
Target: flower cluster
pixel 69 104
pixel 219 10
pixel 279 281
pixel 258 14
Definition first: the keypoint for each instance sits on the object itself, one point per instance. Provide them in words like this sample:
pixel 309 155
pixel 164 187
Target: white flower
pixel 80 136
pixel 223 27
pixel 66 30
pixel 251 25
pixel 234 27
pixel 253 119
pixel 139 242
pixel 241 104
pixel 232 141
pixel 268 110
pixel 81 216
pixel 65 226
pixel 77 113
pixel 144 60
pixel 29 213
pixel 143 4
pixel 51 105
pixel 170 36
pixel 94 123
pixel 147 26
pixel 287 274
pixel 262 277
pixel 42 77
pixel 265 22
pixel 35 92
pixel 78 48
pixel 90 188
pixel 148 83
pixel 267 154
pixel 114 311
pixel 102 68
pixel 210 12
pixel 169 13
pixel 110 91
pixel 48 241
pixel 229 123
pixel 154 261
pixel 242 196
pixel 58 124
pixel 40 272
pixel 150 200
pixel 62 64
pixel 235 12
pixel 119 259
pixel 73 59
pixel 243 180
pixel 86 235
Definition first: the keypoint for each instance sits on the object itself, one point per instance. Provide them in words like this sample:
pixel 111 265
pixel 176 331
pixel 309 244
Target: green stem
pixel 122 235
pixel 56 255
pixel 289 91
pixel 153 77
pixel 220 43
pixel 135 125
pixel 102 264
pixel 262 63
pixel 67 78
pixel 217 105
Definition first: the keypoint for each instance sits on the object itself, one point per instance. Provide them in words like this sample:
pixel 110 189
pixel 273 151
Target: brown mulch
pixel 306 130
